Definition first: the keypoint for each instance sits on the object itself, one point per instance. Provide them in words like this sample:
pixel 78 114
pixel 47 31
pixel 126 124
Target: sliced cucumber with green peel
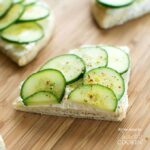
pixel 93 56
pixel 96 96
pixel 115 3
pixel 74 85
pixel 17 1
pixel 106 77
pixel 117 59
pixel 34 12
pixel 11 16
pixel 23 33
pixel 4 6
pixel 49 80
pixel 70 65
pixel 29 2
pixel 40 99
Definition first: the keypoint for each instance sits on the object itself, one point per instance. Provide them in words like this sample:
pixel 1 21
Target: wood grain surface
pixel 74 27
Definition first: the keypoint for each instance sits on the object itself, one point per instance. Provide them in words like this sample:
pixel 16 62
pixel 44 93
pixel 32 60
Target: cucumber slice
pixel 23 33
pixel 40 98
pixel 46 80
pixel 4 6
pixel 34 12
pixel 11 16
pixel 93 57
pixel 106 77
pixel 117 59
pixel 115 3
pixel 71 66
pixel 29 2
pixel 17 1
pixel 96 96
pixel 74 85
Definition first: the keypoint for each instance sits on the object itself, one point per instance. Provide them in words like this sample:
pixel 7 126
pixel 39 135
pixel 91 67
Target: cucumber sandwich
pixel 25 28
pixel 88 82
pixel 109 13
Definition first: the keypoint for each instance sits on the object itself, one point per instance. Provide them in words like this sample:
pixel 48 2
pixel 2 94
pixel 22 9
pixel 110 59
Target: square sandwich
pixel 109 13
pixel 88 82
pixel 26 27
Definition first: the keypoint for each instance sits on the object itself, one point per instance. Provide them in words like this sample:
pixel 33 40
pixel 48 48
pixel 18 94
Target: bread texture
pixel 70 109
pixel 23 54
pixel 108 17
pixel 2 144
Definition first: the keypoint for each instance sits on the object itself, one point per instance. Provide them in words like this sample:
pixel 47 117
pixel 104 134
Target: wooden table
pixel 75 26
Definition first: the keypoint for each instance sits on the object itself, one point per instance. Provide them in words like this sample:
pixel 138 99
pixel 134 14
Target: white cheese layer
pixel 82 108
pixel 2 144
pixel 109 17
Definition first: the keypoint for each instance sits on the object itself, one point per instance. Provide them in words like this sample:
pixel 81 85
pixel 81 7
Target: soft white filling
pixel 2 144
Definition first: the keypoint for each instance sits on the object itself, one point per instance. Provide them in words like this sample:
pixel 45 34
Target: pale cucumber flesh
pixel 34 12
pixel 115 3
pixel 71 66
pixel 23 33
pixel 29 2
pixel 117 59
pixel 41 99
pixel 4 6
pixel 92 56
pixel 108 78
pixel 94 95
pixel 47 80
pixel 11 16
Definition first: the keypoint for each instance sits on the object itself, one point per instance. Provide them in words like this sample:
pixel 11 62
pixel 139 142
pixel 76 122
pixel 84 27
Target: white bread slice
pixel 22 54
pixel 2 144
pixel 109 17
pixel 70 109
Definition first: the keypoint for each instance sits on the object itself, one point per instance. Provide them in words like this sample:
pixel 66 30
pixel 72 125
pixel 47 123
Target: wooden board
pixel 75 26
